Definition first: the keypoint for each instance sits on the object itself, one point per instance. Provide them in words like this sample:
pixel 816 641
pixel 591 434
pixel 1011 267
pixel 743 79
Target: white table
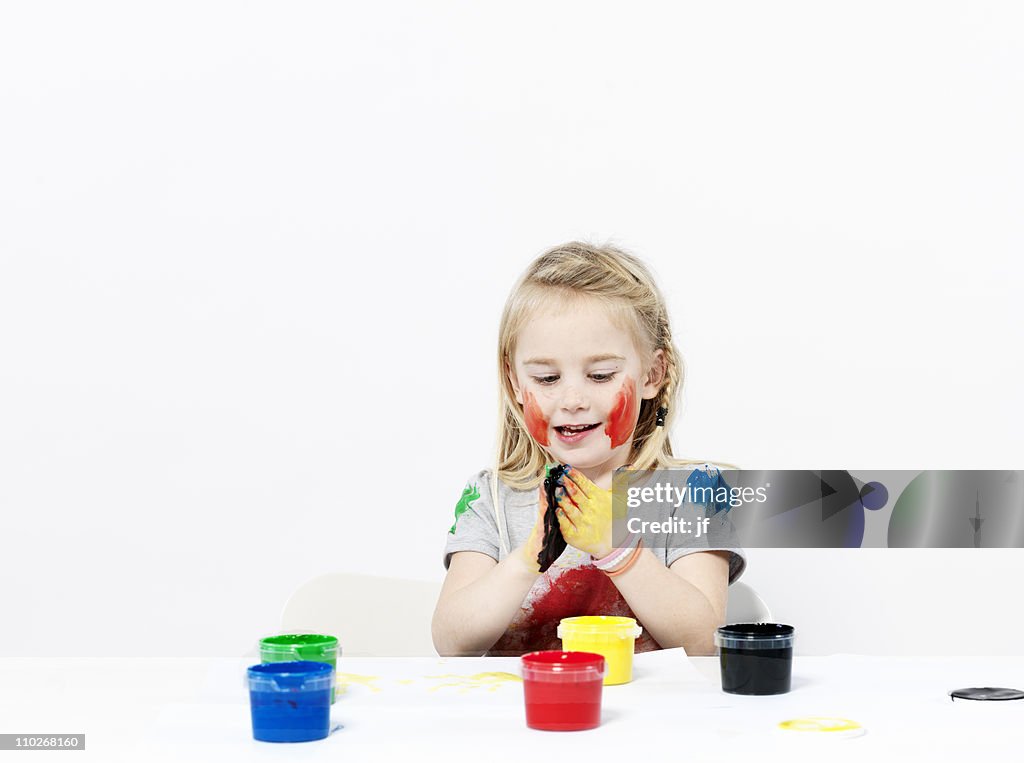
pixel 190 709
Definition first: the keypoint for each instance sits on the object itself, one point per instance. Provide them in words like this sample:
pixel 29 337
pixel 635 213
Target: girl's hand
pixel 585 514
pixel 530 550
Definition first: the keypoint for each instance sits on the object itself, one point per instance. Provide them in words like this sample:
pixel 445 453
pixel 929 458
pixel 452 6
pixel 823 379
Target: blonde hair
pixel 620 282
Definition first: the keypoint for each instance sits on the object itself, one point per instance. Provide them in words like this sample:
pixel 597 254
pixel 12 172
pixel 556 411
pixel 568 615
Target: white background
pixel 254 257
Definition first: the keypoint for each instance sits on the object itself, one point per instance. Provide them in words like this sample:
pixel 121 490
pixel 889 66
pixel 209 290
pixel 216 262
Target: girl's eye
pixel 551 379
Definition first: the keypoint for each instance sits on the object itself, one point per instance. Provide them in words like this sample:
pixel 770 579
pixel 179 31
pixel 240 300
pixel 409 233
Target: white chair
pixel 745 606
pixel 370 616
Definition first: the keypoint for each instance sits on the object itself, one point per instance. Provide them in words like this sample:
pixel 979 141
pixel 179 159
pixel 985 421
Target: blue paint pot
pixel 291 701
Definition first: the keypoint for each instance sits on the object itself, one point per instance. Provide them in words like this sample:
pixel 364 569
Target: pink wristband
pixel 617 554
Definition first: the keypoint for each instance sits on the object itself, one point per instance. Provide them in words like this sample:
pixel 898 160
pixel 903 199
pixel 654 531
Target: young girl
pixel 589 376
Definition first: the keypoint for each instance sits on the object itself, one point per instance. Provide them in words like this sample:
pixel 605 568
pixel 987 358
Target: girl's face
pixel 580 381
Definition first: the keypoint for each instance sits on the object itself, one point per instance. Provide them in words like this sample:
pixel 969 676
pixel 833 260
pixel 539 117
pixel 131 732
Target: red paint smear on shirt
pixel 571 592
pixel 536 421
pixel 622 419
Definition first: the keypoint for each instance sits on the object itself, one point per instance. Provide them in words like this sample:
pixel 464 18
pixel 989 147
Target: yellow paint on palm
pixel 620 483
pixel 586 523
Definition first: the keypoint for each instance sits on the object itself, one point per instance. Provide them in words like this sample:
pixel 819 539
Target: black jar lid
pixel 989 693
pixel 755 636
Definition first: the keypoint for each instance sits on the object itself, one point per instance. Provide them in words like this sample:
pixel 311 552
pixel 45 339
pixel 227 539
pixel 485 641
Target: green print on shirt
pixel 469 494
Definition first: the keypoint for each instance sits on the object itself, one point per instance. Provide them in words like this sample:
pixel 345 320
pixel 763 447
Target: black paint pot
pixel 757 658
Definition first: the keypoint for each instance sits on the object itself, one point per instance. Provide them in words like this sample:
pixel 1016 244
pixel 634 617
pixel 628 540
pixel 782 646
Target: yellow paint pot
pixel 611 637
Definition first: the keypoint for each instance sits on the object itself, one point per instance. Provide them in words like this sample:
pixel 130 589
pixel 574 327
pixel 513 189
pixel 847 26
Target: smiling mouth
pixel 576 429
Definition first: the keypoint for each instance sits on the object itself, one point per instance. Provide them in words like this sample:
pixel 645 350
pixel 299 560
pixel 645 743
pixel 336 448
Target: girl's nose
pixel 572 400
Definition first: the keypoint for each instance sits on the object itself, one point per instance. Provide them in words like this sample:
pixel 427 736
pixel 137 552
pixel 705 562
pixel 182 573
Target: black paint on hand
pixel 554 544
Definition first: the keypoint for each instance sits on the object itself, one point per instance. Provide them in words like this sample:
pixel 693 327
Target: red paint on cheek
pixel 622 419
pixel 536 421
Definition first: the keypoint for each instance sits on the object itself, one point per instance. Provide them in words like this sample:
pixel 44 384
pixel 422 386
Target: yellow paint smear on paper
pixel 819 724
pixel 345 679
pixel 490 681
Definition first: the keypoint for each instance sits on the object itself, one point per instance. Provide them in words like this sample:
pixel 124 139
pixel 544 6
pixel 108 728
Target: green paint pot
pixel 313 647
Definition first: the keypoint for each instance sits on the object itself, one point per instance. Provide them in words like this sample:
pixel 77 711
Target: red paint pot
pixel 563 690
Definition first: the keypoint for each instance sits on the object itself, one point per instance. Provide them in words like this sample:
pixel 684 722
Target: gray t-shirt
pixel 476 526
pixel 572 586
